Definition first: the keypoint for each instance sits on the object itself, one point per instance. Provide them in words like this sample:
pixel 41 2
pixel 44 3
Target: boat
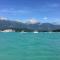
pixel 35 31
pixel 23 31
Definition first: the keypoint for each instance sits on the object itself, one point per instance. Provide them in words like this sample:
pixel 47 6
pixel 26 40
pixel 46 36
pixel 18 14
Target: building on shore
pixel 7 30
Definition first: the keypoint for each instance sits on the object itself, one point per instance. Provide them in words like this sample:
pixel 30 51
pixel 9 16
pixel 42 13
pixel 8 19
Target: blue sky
pixel 42 10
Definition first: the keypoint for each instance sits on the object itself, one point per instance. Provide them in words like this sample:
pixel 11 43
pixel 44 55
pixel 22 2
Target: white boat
pixel 36 32
pixel 23 31
pixel 50 31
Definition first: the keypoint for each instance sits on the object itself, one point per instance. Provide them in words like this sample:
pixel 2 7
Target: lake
pixel 29 46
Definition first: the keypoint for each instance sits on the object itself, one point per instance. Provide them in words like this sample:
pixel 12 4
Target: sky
pixel 40 10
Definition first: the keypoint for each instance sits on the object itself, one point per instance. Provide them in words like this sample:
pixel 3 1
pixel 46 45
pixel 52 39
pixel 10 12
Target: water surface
pixel 30 46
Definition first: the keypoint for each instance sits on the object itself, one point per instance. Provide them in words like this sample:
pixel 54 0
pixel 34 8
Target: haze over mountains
pixel 31 24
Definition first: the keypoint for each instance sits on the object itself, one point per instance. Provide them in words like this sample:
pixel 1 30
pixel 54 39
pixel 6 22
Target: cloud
pixel 54 5
pixel 45 18
pixel 3 18
pixel 14 11
pixel 32 21
pixel 18 20
pixel 56 21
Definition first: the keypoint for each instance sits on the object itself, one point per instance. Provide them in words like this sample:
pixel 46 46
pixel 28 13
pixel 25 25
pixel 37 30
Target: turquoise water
pixel 30 46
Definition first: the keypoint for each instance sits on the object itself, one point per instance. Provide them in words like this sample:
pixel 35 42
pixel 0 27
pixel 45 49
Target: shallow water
pixel 30 46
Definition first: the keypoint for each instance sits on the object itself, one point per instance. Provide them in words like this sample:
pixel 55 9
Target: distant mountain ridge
pixel 7 24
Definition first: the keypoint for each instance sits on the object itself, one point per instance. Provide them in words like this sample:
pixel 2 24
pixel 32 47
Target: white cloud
pixel 13 11
pixel 32 21
pixel 18 20
pixel 54 5
pixel 3 18
pixel 45 18
pixel 56 21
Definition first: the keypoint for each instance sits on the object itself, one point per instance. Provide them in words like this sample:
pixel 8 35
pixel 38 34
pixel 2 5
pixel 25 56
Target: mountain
pixel 7 24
